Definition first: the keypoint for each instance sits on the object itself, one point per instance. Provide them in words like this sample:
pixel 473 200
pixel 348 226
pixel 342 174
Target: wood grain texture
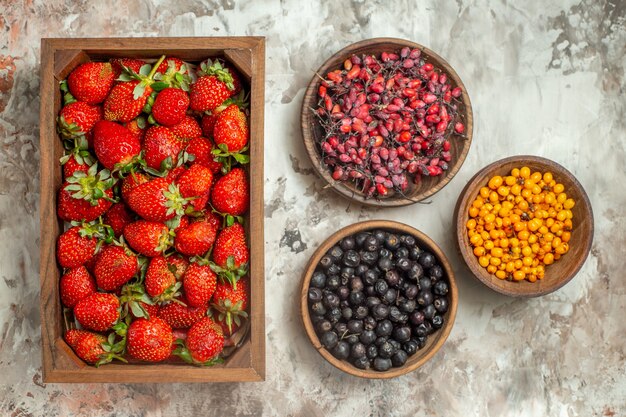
pixel 58 58
pixel 312 131
pixel 561 271
pixel 434 341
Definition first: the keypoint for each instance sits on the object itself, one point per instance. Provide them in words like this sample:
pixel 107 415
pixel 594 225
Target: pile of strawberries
pixel 155 262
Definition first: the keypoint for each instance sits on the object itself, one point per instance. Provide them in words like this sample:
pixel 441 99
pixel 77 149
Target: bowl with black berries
pixel 378 299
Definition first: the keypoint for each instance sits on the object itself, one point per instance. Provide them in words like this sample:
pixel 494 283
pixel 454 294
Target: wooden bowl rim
pixel 469 258
pixel 441 334
pixel 339 186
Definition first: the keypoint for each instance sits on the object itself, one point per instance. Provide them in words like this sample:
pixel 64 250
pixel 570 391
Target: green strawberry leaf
pixel 160 85
pixel 145 70
pixel 241 158
pixel 230 220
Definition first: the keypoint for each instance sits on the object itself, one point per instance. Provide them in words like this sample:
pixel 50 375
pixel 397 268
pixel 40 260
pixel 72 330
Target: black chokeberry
pixel 371 244
pixel 429 312
pixel 341 350
pixel 437 321
pixel 436 272
pixel 399 358
pixel 371 351
pixel 411 291
pixel 343 292
pixel 384 328
pixel 403 264
pixel 370 302
pixel 381 287
pixel 361 363
pixel 351 258
pixel 392 242
pixel 356 298
pixel 324 326
pixel 318 279
pixel 355 326
pixel 415 272
pixel 347 243
pixel 424 298
pixel 318 308
pixel 382 364
pixel 392 277
pixel 441 304
pixel 358 350
pixel 333 282
pixel 402 334
pixel 346 313
pixel 336 253
pixel 315 295
pixel 440 288
pixel 367 337
pixel 331 300
pixel 380 311
pixel 326 262
pixel 426 259
pixel 369 258
pixel 329 339
pixel 361 312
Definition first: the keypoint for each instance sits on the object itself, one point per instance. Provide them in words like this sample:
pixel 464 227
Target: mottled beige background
pixel 545 78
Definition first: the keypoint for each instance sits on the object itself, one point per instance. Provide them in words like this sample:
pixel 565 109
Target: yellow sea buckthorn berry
pixel 523 205
pixel 527 194
pixel 476 240
pixel 566 236
pixel 536 176
pixel 484 192
pixel 535 247
pixel 488 244
pixel 532 278
pixel 556 242
pixel 489 218
pixel 489 226
pixel 543 230
pixel 515 172
pixel 483 212
pixel 519 275
pixel 557 256
pixel 495 261
pixel 525 269
pixel 483 261
pixel 478 203
pixel 500 274
pixel 484 234
pixel 568 204
pixel 547 176
pixel 536 189
pixel 533 225
pixel 479 251
pixel 550 222
pixel 569 214
pixel 516 189
pixel 527 261
pixel 527 251
pixel 524 172
pixel 473 211
pixel 561 216
pixel 471 224
pixel 498 222
pixel 510 180
pixel 497 252
pixel 548 237
pixel 503 191
pixel 567 224
pixel 495 182
pixel 492 269
pixel 548 259
pixel 510 266
pixel 529 184
pixel 558 188
pixel 504 243
pixel 493 197
pixel 550 198
pixel 561 198
pixel 506 221
pixel 514 242
pixel 547 247
pixel 562 248
pixel 538 198
pixel 518 263
pixel 523 235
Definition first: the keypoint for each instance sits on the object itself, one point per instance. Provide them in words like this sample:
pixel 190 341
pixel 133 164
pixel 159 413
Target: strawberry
pixel 90 186
pixel 147 238
pixel 230 253
pixel 114 267
pixel 149 340
pixel 196 183
pixel 199 283
pixel 170 106
pixel 201 148
pixel 74 249
pixel 134 301
pixel 98 311
pixel 188 128
pixel 118 216
pixel 214 220
pixel 174 173
pixel 178 264
pixel 160 280
pixel 91 82
pixel 231 193
pixel 208 124
pixel 114 144
pixel 86 345
pixel 161 148
pixel 205 341
pixel 137 127
pixel 230 303
pixel 121 105
pixel 152 310
pixel 212 88
pixel 180 317
pixel 195 239
pixel 157 200
pixel 131 182
pixel 237 85
pixel 118 65
pixel 231 129
pixel 76 284
pixel 77 119
pixel 72 165
pixel 175 63
pixel 74 209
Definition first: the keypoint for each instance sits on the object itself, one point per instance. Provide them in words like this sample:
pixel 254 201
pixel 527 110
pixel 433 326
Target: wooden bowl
pixel 434 341
pixel 561 271
pixel 311 128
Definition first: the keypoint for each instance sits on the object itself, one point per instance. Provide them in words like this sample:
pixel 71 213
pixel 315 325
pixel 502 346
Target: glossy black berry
pixel 352 338
pixel 410 347
pixel 425 283
pixel 402 252
pixel 318 308
pixel 341 350
pixel 437 321
pixel 429 312
pixel 382 364
pixel 392 242
pixel 403 264
pixel 385 264
pixel 335 253
pixel 371 351
pixel 407 306
pixel 408 240
pixel 326 262
pixel 370 291
pixel 414 253
pixel 380 235
pixel 318 279
pixel 384 253
pixel 369 323
pixel 436 272
pixel 421 341
pixel 340 328
pixel 324 326
pixel 329 339
pixel 356 298
pixel 380 311
pixel 358 350
pixel 360 238
pixel 343 292
pixel 402 334
pixel 346 274
pixel 356 284
pixel 441 304
pixel 411 291
pixel 346 313
pixel 370 302
pixel 399 358
pixel 440 288
pixel 390 296
pixel 351 258
pixel 415 272
pixel 371 244
pixel 315 295
pixel 360 270
pixel 392 277
pixel 361 363
pixel 361 312
pixel 385 350
pixel 369 258
pixel 426 259
pixel 424 298
pixel 396 316
pixel 331 300
pixel 384 328
pixel 421 330
pixel 367 337
pixel 355 326
pixel 370 276
pixel 333 282
pixel 334 269
pixel 417 317
pixel 381 287
pixel 347 243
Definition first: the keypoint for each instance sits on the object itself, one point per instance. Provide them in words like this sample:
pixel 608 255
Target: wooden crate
pixel 58 58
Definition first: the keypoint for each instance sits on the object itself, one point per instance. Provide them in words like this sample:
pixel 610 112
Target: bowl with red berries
pixel 152 267
pixel 386 122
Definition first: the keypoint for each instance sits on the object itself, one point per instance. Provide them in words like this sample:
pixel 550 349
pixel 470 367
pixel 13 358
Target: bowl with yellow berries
pixel 524 226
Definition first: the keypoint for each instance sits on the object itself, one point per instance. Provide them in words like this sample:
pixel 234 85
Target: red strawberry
pixel 199 283
pixel 179 316
pixel 76 284
pixel 231 193
pixel 188 128
pixel 133 64
pixel 121 104
pixel 213 86
pixel 161 148
pixel 201 149
pixel 205 341
pixel 114 144
pixel 131 182
pixel 148 238
pixel 195 239
pixel 170 61
pixel 196 183
pixel 157 200
pixel 149 340
pixel 152 310
pixel 170 106
pixel 118 217
pixel 178 264
pixel 114 267
pixel 86 345
pixel 174 173
pixel 230 303
pixel 74 209
pixel 230 253
pixel 91 82
pixel 73 250
pixel 237 85
pixel 137 127
pixel 208 123
pixel 231 129
pixel 98 311
pixel 159 279
pixel 77 119
pixel 72 166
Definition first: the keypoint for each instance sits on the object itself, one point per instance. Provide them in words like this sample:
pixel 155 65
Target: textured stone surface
pixel 545 78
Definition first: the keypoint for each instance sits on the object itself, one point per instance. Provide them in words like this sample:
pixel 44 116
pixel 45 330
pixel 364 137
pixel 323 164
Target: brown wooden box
pixel 58 58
